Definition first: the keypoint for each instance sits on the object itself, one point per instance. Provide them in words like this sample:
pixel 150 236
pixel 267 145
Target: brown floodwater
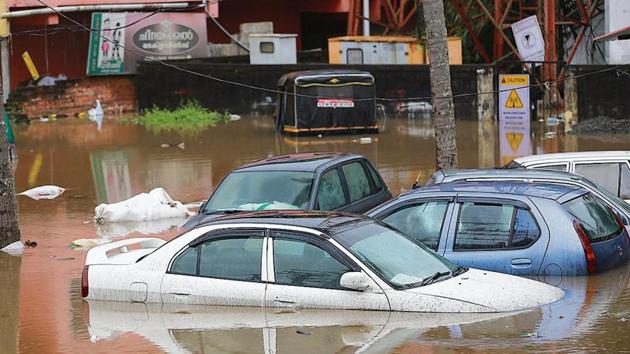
pixel 42 312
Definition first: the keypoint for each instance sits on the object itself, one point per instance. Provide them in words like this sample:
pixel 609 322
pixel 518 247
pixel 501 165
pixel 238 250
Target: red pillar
pixel 550 39
pixel 497 46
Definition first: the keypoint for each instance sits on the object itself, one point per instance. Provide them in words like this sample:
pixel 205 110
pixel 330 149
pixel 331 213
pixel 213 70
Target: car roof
pixel 539 190
pixel 573 155
pixel 306 162
pixel 461 174
pixel 328 222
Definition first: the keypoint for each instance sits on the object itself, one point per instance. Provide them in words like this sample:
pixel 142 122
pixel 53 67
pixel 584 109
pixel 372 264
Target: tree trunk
pixel 9 229
pixel 437 53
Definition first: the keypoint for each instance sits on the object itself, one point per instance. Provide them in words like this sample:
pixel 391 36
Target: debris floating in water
pixel 44 192
pixel 86 243
pixel 180 145
pixel 30 243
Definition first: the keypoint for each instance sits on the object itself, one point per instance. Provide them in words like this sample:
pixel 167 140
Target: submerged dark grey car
pixel 308 181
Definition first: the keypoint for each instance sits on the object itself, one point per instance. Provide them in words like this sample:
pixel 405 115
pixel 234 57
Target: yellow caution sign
pixel 515 140
pixel 30 66
pixel 513 100
pixel 520 80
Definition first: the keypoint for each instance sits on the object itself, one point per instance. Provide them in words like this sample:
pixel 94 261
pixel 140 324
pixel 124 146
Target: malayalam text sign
pixel 163 36
pixel 514 117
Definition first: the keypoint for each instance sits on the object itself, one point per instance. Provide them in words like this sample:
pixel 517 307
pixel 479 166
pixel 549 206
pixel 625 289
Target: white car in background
pixel 609 169
pixel 297 259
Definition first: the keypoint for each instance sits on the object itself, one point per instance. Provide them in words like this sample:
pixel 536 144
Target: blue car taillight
pixel 588 248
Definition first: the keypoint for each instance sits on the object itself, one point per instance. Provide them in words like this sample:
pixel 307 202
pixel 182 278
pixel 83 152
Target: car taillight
pixel 588 249
pixel 85 285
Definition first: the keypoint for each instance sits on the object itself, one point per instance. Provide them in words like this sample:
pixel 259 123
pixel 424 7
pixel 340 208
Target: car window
pixel 597 220
pixel 330 193
pixel 186 262
pixel 357 180
pixel 624 187
pixel 237 258
pixel 525 229
pixel 604 174
pixel 423 221
pixel 299 263
pixel 260 190
pixel 375 177
pixel 558 167
pixel 483 226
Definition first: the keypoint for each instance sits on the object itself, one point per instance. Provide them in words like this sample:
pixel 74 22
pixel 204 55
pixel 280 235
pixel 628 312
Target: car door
pixel 426 220
pixel 502 235
pixel 304 271
pixel 223 267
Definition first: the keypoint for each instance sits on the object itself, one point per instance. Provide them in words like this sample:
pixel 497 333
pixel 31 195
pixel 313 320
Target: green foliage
pixel 189 117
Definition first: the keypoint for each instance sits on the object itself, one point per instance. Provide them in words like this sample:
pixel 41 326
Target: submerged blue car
pixel 512 227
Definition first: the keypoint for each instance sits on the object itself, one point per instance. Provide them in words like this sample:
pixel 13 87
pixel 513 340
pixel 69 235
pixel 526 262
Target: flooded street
pixel 42 310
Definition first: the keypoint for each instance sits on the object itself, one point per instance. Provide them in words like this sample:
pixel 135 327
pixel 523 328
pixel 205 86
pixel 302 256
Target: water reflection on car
pixel 216 329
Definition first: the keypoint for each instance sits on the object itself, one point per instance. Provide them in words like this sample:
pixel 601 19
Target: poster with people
pixel 120 40
pixel 107 42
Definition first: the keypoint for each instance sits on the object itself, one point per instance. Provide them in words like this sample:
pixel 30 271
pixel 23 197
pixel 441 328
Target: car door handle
pixel 181 292
pixel 521 262
pixel 285 300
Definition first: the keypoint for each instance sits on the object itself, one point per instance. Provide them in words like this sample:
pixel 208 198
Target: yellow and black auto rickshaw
pixel 326 102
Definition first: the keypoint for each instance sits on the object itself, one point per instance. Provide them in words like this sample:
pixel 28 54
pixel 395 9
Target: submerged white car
pixel 299 259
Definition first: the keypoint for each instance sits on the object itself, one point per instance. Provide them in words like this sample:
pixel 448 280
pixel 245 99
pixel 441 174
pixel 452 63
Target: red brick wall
pixel 69 98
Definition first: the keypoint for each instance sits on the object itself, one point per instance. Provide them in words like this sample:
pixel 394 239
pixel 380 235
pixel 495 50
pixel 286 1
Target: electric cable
pixel 264 89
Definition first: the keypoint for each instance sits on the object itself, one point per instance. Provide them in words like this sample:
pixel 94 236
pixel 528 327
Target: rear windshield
pixel 598 221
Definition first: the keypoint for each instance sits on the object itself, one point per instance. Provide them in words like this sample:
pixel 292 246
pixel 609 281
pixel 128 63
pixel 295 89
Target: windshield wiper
pixel 226 211
pixel 459 270
pixel 433 278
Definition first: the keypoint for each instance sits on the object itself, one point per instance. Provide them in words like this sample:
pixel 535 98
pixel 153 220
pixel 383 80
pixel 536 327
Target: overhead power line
pixel 545 85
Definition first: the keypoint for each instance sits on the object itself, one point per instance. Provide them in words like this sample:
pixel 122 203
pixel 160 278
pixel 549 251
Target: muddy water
pixel 41 310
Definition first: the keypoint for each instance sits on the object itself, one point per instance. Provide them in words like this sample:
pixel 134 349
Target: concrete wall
pixel 167 87
pixel 602 93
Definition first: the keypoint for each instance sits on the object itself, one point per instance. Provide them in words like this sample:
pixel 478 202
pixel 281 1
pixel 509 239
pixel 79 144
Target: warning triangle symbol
pixel 513 100
pixel 514 139
pixel 502 80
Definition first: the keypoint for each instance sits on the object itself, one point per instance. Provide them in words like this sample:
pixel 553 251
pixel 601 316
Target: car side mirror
pixel 355 281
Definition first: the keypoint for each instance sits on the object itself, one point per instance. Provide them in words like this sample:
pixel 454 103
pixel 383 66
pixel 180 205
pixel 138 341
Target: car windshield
pixel 597 220
pixel 262 190
pixel 618 202
pixel 397 259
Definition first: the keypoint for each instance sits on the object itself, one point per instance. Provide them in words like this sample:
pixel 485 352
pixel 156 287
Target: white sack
pixel 154 205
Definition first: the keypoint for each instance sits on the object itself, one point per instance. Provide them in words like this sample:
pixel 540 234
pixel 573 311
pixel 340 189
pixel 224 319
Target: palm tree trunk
pixel 9 228
pixel 443 113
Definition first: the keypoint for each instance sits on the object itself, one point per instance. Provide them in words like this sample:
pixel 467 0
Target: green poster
pixel 106 55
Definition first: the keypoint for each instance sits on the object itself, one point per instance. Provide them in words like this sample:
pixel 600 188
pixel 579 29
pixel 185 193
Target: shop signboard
pixel 120 40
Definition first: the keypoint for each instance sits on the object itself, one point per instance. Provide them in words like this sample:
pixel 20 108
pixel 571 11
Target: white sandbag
pixel 154 205
pixel 44 192
pixel 15 249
